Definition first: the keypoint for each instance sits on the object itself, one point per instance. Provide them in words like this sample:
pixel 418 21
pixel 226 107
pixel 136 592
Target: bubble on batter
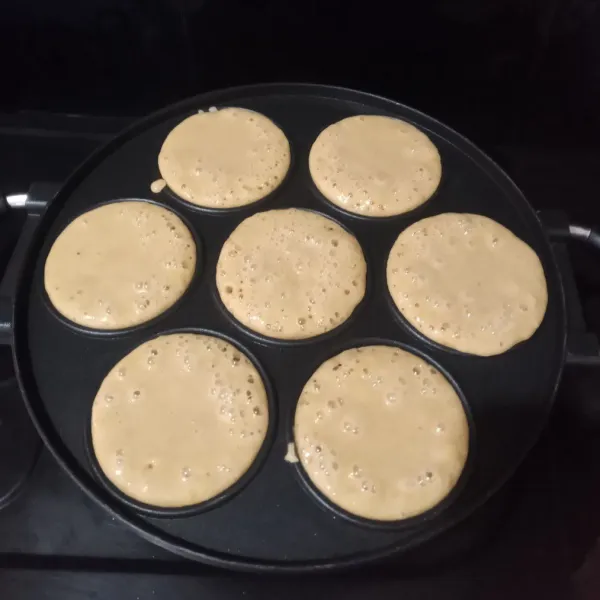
pixel 350 428
pixel 425 479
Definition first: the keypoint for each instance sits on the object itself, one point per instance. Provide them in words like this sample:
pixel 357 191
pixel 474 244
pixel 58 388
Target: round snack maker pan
pixel 271 523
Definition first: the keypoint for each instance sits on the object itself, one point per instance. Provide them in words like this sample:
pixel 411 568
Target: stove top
pixel 538 536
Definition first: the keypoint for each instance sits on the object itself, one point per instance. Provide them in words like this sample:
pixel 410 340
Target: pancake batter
pixel 120 265
pixel 224 159
pixel 375 166
pixel 179 420
pixel 381 433
pixel 468 283
pixel 291 273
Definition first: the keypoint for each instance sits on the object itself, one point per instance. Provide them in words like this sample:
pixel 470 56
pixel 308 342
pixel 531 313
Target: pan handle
pixel 34 204
pixel 583 349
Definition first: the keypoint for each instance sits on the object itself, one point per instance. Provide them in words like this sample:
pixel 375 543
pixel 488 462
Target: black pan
pixel 275 522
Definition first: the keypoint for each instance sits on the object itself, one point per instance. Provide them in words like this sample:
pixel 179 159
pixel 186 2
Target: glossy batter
pixel 120 265
pixel 179 420
pixel 467 282
pixel 291 273
pixel 375 166
pixel 225 158
pixel 381 433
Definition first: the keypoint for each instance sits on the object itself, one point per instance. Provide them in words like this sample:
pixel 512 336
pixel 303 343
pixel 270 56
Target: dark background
pixel 501 70
pixel 521 78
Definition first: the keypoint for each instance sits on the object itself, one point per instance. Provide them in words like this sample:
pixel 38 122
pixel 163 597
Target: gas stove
pixel 537 536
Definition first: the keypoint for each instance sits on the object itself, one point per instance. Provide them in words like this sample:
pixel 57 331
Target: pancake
pixel 223 159
pixel 375 166
pixel 381 433
pixel 468 283
pixel 291 274
pixel 120 265
pixel 179 420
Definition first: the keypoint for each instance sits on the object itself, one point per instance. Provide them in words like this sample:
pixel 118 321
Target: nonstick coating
pixel 273 523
